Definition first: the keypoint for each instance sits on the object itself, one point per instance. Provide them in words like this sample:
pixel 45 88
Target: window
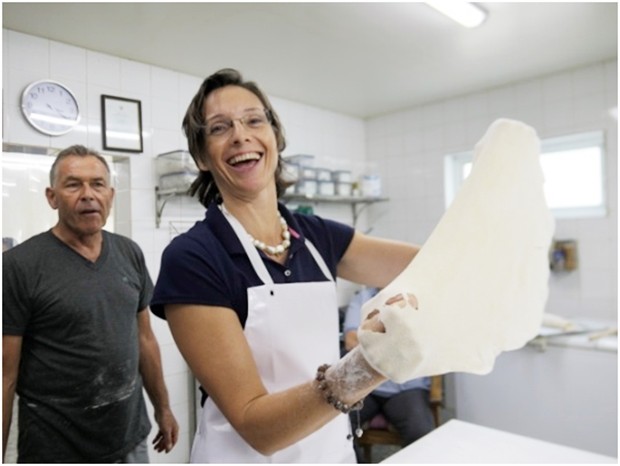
pixel 574 174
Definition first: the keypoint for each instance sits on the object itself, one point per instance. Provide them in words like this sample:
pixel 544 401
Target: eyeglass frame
pixel 231 123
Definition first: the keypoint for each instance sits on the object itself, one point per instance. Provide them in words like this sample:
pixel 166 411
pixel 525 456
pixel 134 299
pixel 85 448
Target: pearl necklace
pixel 280 248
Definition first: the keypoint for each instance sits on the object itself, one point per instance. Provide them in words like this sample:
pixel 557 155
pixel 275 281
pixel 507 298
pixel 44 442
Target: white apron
pixel 292 329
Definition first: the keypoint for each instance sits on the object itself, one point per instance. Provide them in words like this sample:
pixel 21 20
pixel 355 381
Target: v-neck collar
pixel 90 264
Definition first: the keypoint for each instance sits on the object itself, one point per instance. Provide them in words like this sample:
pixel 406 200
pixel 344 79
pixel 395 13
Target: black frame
pixel 119 119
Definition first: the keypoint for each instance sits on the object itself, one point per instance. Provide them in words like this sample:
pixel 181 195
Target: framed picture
pixel 121 124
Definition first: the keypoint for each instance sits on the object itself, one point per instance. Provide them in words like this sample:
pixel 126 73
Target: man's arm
pixel 11 354
pixel 153 379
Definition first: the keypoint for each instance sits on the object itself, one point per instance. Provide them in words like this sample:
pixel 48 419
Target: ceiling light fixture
pixel 465 13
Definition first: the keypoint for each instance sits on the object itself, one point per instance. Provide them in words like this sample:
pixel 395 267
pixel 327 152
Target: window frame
pixel 455 163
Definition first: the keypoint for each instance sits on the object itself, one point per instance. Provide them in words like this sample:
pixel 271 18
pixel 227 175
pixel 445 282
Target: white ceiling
pixel 361 59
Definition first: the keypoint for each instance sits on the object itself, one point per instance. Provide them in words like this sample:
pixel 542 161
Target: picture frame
pixel 121 120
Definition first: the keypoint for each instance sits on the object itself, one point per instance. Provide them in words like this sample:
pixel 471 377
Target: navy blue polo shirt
pixel 207 265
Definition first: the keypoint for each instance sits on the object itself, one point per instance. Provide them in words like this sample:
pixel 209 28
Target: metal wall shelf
pixel 358 203
pixel 162 196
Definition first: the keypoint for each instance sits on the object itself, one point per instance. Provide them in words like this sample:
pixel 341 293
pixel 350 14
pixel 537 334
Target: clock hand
pixel 58 111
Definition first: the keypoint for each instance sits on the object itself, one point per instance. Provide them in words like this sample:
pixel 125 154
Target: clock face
pixel 50 107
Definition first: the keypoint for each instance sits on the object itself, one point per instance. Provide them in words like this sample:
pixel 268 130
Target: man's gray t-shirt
pixel 79 384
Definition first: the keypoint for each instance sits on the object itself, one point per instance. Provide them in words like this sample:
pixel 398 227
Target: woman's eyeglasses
pixel 222 127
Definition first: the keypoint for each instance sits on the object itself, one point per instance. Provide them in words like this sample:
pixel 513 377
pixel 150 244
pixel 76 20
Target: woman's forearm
pixel 275 421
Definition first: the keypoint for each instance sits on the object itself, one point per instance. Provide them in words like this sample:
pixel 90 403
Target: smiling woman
pixel 250 296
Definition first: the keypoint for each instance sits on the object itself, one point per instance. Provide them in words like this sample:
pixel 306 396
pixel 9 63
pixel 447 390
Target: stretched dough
pixel 480 281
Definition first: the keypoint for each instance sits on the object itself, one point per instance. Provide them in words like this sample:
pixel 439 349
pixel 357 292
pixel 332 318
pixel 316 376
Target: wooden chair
pixel 378 431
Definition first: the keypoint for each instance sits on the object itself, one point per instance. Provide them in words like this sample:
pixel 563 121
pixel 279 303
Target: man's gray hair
pixel 76 150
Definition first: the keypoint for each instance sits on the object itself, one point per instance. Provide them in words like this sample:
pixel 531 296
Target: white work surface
pixel 461 442
pixel 564 394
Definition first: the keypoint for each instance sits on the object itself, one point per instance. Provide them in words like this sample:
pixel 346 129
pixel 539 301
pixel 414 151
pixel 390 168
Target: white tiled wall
pixel 411 145
pixel 89 74
pixel 165 95
pixel 406 148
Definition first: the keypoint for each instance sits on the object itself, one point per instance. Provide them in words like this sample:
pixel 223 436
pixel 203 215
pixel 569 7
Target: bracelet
pixel 329 396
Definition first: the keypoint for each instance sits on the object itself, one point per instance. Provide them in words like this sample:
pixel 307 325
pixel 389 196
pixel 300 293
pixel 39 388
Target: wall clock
pixel 50 107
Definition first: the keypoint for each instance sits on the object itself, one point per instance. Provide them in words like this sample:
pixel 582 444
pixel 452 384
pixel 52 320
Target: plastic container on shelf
pixel 326 188
pixel 176 181
pixel 301 166
pixel 291 171
pixel 306 187
pixel 178 161
pixel 323 174
pixel 371 186
pixel 303 160
pixel 307 173
pixel 342 176
pixel 343 188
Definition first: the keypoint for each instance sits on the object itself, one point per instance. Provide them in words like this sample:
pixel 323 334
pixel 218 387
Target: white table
pixel 461 442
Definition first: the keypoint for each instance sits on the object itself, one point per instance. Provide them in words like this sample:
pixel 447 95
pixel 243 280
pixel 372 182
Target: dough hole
pixel 402 301
pixel 373 322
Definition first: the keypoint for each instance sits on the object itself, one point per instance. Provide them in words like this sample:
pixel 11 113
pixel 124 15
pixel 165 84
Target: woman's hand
pixel 373 321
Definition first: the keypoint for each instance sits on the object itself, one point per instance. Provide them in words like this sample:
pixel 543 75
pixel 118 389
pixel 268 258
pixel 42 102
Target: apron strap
pixel 259 266
pixel 319 260
pixel 250 250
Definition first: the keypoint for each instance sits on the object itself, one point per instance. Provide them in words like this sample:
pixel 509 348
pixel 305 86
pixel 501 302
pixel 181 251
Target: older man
pixel 77 341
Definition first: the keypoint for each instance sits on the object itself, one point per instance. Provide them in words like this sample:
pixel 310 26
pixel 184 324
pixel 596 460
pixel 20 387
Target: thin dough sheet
pixel 481 278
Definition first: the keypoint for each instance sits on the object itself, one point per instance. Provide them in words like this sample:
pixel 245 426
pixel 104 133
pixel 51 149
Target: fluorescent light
pixel 465 13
